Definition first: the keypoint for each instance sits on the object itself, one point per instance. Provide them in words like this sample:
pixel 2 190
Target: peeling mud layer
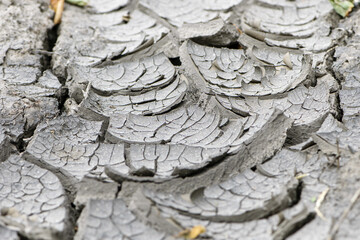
pixel 139 119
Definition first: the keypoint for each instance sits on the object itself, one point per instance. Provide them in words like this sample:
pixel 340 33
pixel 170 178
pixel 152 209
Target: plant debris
pixel 319 200
pixel 343 8
pixel 336 227
pixel 80 3
pixel 58 7
pixel 192 233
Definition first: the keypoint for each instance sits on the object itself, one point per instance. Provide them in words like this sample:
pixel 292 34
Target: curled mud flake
pixel 113 221
pixel 33 200
pixel 179 13
pixel 191 126
pixel 235 73
pixel 244 197
pixel 113 39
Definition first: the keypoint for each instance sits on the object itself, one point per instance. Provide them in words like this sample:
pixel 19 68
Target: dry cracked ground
pixel 139 119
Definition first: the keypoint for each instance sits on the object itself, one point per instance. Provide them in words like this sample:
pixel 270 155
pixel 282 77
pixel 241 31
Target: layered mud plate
pixel 147 119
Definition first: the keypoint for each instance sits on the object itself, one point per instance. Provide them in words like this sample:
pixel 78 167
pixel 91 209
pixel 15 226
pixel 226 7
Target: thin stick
pixel 59 11
pixel 319 201
pixel 344 215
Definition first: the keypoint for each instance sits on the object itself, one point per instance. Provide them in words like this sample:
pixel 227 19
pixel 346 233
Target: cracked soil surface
pixel 137 119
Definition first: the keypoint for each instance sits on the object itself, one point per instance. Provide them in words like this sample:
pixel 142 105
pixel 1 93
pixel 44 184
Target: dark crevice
pixel 20 145
pixel 175 61
pixel 235 45
pixel 63 93
pixel 143 172
pixel 298 192
pixel 22 237
pixel 330 60
pixel 289 228
pixel 196 172
pixel 205 42
pixel 74 215
pixel 339 111
pixel 62 96
pixel 118 191
pixel 294 196
pixel 49 44
pixel 329 67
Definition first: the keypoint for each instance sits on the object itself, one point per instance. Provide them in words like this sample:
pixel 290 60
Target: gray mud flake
pixel 151 72
pixel 346 66
pixel 197 207
pixel 333 135
pixel 69 129
pixel 111 219
pixel 290 25
pixel 144 86
pixel 21 75
pixel 159 162
pixel 189 126
pixel 232 72
pixel 21 114
pixel 215 32
pixel 244 197
pixel 90 188
pixel 349 100
pixel 33 199
pixel 308 107
pixel 178 13
pixel 70 145
pixel 102 37
pixel 18 37
pixel 77 161
pixel 152 101
pixel 256 229
pixel 104 6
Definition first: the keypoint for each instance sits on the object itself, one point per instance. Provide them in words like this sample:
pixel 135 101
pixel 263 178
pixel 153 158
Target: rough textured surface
pixel 232 73
pixel 186 125
pixel 142 119
pixel 28 94
pixel 111 219
pixel 178 13
pixel 244 197
pixel 215 33
pixel 32 200
pixel 69 146
pixel 308 107
pixel 102 37
pixel 164 161
pixel 146 86
pixel 291 24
